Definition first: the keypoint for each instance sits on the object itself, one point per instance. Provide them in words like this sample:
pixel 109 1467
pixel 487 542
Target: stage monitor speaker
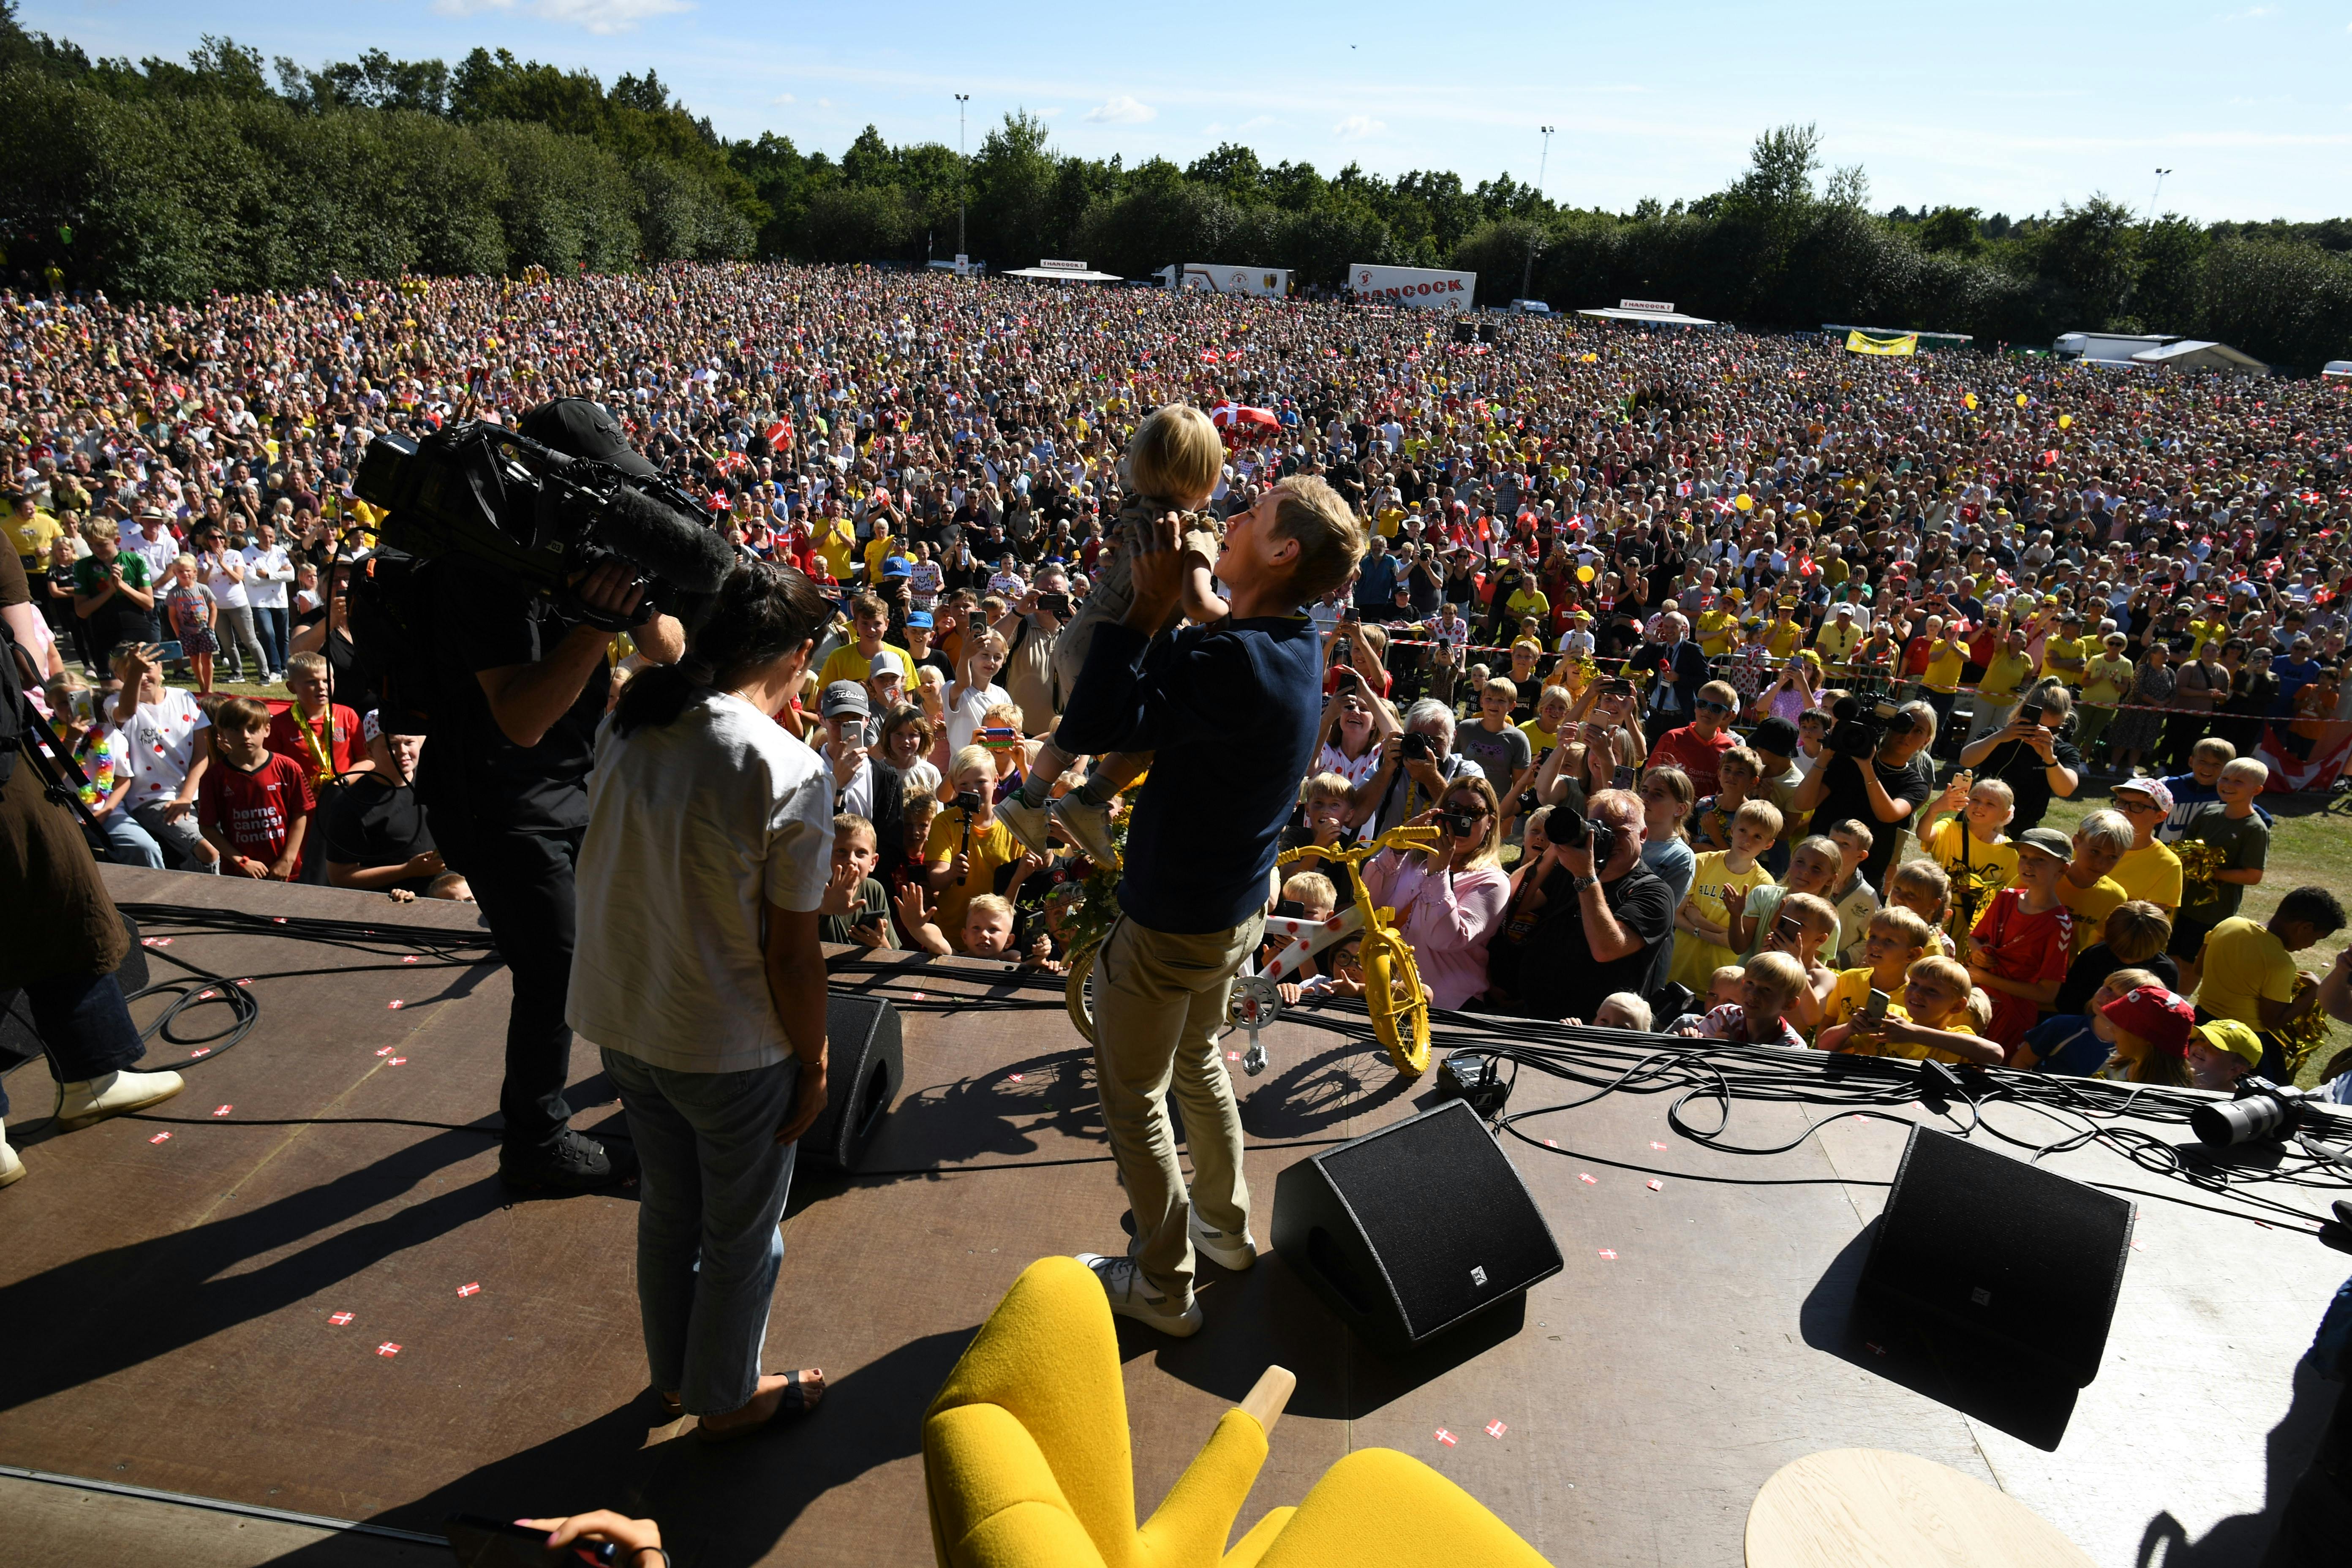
pixel 2022 1258
pixel 866 1063
pixel 1408 1231
pixel 1466 332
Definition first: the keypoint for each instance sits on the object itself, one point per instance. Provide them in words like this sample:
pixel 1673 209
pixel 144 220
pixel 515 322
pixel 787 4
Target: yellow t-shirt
pixel 2106 680
pixel 846 663
pixel 1712 886
pixel 2243 962
pixel 1539 740
pixel 1713 629
pixel 1944 664
pixel 1957 1024
pixel 2004 675
pixel 1783 637
pixel 2152 874
pixel 34 534
pixel 1850 994
pixel 838 544
pixel 2209 634
pixel 2091 907
pixel 991 847
pixel 1391 518
pixel 1528 601
pixel 1992 866
pixel 1838 640
pixel 878 549
pixel 2056 648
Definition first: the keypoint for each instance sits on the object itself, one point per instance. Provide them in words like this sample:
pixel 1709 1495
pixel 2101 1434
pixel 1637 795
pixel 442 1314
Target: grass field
pixel 2311 844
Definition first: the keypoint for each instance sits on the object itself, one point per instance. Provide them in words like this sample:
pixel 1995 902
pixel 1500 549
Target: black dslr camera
pixel 1575 830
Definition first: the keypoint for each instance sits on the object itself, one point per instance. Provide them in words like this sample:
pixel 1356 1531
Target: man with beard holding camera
pixel 1605 915
pixel 521 682
pixel 1875 772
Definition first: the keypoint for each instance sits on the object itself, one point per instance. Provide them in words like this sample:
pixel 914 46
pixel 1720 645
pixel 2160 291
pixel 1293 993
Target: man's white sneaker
pixel 1132 1295
pixel 1032 825
pixel 12 1169
pixel 1223 1248
pixel 115 1094
pixel 1088 827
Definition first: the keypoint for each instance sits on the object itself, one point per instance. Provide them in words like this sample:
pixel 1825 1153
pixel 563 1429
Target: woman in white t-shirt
pixel 267 572
pixel 699 976
pixel 220 568
pixel 163 729
pixel 975 691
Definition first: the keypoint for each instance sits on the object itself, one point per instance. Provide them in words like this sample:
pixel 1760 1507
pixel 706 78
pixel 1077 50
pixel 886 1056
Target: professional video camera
pixel 541 516
pixel 1858 728
pixel 538 516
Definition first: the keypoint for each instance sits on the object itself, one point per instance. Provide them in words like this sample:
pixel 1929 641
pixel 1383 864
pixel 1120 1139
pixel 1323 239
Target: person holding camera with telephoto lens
pixel 706 854
pixel 1876 770
pixel 1604 918
pixel 521 681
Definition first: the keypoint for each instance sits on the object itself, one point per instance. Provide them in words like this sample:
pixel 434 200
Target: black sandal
pixel 801 1391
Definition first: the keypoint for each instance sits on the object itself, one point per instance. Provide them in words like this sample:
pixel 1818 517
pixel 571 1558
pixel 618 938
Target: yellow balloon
pixel 1584 574
pixel 2065 420
pixel 1970 401
pixel 2021 400
pixel 1744 503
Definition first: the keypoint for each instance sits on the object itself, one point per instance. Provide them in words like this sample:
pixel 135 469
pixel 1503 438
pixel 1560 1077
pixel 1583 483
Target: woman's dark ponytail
pixel 762 611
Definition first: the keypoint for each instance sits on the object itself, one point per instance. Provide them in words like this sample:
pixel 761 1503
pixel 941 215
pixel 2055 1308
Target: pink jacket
pixel 1445 919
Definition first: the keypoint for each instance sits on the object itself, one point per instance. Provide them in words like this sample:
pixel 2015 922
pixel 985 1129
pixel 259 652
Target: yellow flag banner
pixel 1860 342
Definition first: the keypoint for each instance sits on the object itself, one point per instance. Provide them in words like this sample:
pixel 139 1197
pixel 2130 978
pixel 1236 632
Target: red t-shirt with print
pixel 256 811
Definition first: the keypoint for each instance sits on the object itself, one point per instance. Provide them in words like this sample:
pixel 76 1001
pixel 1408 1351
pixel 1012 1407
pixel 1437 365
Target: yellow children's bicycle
pixel 1392 989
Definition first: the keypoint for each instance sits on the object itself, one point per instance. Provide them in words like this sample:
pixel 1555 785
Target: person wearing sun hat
pixel 2150 1029
pixel 2150 870
pixel 2220 1052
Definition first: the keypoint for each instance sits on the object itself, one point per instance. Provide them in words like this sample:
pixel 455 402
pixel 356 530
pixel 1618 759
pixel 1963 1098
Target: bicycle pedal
pixel 1254 1061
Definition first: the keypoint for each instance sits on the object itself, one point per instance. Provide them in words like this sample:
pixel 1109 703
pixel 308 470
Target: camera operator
pixel 60 938
pixel 1416 764
pixel 2031 754
pixel 1605 916
pixel 1030 629
pixel 520 683
pixel 1881 784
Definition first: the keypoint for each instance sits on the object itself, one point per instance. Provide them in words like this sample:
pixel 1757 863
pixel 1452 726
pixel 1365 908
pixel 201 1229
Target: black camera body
pixel 1859 729
pixel 1575 830
pixel 968 802
pixel 1055 605
pixel 1416 747
pixel 2261 1109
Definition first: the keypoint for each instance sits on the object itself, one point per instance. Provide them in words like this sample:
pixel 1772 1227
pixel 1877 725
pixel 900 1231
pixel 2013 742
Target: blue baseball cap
pixel 919 618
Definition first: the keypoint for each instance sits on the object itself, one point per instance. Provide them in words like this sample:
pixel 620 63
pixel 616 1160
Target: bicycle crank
pixel 1255 1004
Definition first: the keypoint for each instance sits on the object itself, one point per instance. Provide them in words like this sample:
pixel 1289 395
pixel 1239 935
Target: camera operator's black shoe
pixel 575 1163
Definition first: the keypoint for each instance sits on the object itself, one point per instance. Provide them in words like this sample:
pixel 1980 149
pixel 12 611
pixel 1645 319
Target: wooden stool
pixel 1867 1508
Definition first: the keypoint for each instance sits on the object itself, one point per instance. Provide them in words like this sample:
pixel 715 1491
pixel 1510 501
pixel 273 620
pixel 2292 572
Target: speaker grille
pixel 2003 1248
pixel 1450 1223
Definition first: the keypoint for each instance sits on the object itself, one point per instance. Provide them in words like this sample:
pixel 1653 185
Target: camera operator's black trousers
pixel 522 882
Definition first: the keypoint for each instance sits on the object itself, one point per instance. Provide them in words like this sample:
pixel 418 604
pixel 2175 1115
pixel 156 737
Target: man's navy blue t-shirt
pixel 1230 712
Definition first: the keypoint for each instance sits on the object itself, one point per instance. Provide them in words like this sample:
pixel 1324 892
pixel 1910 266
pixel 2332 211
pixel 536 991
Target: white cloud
pixel 1356 127
pixel 784 97
pixel 605 16
pixel 1122 111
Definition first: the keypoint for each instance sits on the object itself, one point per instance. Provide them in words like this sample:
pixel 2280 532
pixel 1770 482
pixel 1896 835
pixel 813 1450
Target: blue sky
pixel 2017 108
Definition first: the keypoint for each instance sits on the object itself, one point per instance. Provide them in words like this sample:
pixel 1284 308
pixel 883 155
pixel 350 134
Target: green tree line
pixel 166 179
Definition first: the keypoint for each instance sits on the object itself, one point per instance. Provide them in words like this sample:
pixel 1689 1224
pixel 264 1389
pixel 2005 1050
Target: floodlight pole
pixel 961 98
pixel 1527 277
pixel 2159 193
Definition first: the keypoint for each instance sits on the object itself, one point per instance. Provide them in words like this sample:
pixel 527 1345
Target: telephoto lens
pixel 2262 1110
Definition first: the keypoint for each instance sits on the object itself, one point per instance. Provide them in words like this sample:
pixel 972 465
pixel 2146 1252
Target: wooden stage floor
pixel 172 1305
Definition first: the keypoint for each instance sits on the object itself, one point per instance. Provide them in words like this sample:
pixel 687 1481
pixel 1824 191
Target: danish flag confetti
pixel 396 1007
pixel 469 1289
pixel 338 1319
pixel 159 1137
pixel 1658 1146
pixel 1657 1187
pixel 387 1349
pixel 1609 1253
pixel 1495 1428
pixel 411 958
pixel 1448 1439
pixel 1589 1180
pixel 397 1062
pixel 387 1050
pixel 221 1110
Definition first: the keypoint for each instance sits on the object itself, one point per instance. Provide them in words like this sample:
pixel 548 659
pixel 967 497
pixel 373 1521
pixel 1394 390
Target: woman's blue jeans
pixel 710 1196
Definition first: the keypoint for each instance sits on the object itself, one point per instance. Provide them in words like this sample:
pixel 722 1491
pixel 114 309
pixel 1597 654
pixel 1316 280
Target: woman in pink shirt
pixel 1448 903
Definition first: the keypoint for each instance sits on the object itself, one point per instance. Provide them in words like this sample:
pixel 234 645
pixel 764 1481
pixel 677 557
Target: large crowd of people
pixel 1784 651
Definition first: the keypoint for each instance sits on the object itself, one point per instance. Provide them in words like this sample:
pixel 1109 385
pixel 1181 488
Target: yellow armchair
pixel 1026 1465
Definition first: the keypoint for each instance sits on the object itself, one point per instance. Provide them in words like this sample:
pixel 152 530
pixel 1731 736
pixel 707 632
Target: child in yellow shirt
pixel 1935 1023
pixel 1983 862
pixel 1721 879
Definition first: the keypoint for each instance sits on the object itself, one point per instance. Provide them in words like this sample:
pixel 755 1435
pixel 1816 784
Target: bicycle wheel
pixel 1078 991
pixel 1400 1021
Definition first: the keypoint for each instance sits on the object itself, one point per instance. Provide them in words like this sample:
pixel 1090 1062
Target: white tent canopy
pixel 2195 353
pixel 1067 272
pixel 1661 312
